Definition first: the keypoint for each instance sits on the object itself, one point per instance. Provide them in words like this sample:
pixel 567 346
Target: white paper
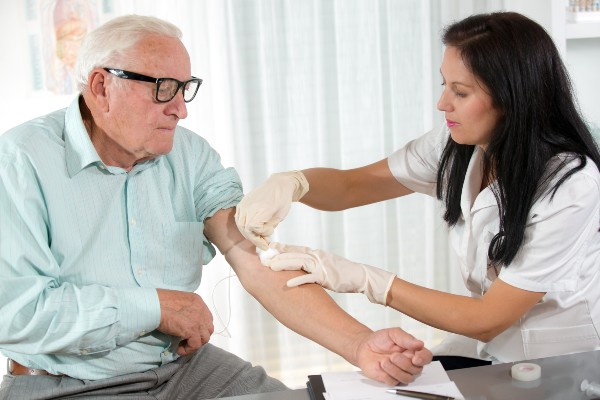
pixel 356 386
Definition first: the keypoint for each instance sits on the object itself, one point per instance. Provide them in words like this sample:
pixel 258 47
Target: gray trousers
pixel 207 374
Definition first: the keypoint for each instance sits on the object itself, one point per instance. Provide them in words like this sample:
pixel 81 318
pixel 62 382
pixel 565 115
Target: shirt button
pixel 132 222
pixel 140 271
pixel 166 353
pixel 142 333
pixel 84 352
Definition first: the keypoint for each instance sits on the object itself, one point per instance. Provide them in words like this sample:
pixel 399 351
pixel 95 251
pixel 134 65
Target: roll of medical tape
pixel 526 372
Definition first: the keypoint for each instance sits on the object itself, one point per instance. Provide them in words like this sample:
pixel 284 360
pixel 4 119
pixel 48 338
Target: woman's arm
pixel 479 318
pixel 261 210
pixel 335 189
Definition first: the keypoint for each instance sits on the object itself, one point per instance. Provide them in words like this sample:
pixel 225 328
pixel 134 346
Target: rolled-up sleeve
pixel 215 187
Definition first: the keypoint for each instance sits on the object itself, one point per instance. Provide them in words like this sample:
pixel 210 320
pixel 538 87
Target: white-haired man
pixel 108 212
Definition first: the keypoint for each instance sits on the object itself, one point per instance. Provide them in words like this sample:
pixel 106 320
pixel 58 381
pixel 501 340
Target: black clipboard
pixel 315 386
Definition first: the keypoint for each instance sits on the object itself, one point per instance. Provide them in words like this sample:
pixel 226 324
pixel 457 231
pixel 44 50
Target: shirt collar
pixel 79 150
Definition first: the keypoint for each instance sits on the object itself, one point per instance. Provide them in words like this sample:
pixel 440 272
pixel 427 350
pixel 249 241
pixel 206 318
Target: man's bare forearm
pixel 308 310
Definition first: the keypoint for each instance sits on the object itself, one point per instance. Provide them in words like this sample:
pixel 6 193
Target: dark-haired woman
pixel 518 173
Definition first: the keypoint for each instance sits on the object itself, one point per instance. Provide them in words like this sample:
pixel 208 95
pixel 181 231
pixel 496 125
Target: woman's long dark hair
pixel 521 69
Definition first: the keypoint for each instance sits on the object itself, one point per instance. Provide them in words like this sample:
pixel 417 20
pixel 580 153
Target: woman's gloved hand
pixel 331 271
pixel 261 210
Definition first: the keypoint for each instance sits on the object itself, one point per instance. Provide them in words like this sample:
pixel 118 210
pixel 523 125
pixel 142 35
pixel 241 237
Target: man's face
pixel 136 127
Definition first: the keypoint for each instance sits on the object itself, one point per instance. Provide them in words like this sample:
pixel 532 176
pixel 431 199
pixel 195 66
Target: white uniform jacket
pixel 560 254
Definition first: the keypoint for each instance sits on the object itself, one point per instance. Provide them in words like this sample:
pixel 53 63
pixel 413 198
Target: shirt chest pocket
pixel 171 254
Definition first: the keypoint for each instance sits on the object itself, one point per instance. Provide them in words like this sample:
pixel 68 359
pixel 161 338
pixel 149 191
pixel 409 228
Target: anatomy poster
pixel 58 28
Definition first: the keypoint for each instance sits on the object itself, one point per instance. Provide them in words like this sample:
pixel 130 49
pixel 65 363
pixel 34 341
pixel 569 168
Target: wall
pixel 18 101
pixel 581 56
pixel 583 62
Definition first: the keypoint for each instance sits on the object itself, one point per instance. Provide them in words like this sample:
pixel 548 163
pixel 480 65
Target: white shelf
pixel 582 30
pixel 583 16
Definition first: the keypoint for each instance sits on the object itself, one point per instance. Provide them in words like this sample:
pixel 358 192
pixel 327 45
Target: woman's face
pixel 470 114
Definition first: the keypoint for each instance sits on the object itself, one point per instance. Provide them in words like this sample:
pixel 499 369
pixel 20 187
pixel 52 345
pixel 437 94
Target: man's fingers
pixel 406 340
pixel 183 349
pixel 190 345
pixel 390 373
pixel 400 368
pixel 422 357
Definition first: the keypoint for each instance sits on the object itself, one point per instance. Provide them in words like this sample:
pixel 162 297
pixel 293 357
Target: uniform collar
pixel 472 199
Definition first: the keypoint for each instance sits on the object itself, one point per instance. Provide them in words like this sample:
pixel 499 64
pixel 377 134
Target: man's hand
pixel 391 356
pixel 185 315
pixel 261 210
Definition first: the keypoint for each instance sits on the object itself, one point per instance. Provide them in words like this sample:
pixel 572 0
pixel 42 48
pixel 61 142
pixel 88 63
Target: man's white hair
pixel 110 43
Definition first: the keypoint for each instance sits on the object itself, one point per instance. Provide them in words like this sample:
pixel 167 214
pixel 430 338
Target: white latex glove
pixel 261 210
pixel 331 271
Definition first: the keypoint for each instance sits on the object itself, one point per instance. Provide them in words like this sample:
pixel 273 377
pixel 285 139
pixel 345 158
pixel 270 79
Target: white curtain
pixel 326 83
pixel 292 84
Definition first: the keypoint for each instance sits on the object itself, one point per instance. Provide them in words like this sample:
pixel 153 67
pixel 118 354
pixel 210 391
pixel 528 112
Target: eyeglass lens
pixel 167 89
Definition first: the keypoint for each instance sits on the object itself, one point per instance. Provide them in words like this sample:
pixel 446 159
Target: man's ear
pixel 97 89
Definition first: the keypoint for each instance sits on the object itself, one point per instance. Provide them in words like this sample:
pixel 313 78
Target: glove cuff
pixel 379 283
pixel 299 181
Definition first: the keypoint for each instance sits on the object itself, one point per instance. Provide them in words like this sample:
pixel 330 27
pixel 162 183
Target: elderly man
pixel 108 210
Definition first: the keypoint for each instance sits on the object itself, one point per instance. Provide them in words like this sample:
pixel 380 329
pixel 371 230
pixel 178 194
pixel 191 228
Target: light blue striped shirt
pixel 83 245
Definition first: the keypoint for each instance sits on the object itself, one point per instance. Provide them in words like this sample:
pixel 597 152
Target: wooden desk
pixel 561 380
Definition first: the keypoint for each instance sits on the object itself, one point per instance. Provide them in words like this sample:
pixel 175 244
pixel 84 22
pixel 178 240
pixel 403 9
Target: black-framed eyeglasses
pixel 166 88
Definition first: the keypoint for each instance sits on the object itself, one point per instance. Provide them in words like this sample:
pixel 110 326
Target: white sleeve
pixel 416 164
pixel 560 237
